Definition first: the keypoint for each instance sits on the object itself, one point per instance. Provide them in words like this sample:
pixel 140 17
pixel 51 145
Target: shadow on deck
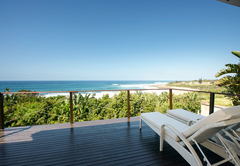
pixel 104 142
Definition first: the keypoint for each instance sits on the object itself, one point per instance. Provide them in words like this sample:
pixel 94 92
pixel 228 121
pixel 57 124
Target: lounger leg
pixel 161 139
pixel 140 123
pixel 229 150
pixel 161 144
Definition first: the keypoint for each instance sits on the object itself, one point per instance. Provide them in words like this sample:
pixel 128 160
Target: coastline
pixel 176 92
pixel 91 85
pixel 149 86
pixel 44 86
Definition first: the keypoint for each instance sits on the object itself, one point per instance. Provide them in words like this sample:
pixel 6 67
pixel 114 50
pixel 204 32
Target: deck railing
pixel 211 107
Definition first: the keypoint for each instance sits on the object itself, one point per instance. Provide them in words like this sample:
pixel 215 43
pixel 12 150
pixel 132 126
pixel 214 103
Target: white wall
pixel 205 108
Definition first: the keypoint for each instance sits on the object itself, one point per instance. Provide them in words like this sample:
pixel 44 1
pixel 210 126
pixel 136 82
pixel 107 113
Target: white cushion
pixel 157 119
pixel 185 115
pixel 218 116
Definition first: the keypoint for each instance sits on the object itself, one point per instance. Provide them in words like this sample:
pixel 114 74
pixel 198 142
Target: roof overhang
pixel 232 2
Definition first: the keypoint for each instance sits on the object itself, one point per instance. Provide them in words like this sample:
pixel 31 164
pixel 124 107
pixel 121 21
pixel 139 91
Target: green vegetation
pixel 206 85
pixel 223 101
pixel 33 109
pixel 231 82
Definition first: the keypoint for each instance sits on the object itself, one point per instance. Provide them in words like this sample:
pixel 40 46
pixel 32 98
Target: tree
pixel 81 104
pixel 231 82
pixel 200 80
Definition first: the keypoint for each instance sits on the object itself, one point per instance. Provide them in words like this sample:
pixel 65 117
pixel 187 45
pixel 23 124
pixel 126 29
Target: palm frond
pixel 232 68
pixel 236 53
pixel 230 82
pixel 225 81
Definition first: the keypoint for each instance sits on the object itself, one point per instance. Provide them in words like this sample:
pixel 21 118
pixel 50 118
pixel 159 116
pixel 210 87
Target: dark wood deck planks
pixel 111 142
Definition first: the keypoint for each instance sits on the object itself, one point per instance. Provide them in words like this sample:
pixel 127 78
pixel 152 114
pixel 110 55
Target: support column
pixel 211 106
pixel 1 112
pixel 170 98
pixel 128 108
pixel 71 109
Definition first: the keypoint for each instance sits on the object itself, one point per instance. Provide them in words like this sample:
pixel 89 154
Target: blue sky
pixel 116 39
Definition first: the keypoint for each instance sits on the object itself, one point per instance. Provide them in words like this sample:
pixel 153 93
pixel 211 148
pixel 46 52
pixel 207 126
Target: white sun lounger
pixel 190 118
pixel 184 116
pixel 181 136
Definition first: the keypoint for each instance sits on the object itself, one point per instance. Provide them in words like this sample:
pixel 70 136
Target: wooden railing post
pixel 71 109
pixel 128 108
pixel 1 112
pixel 170 98
pixel 211 106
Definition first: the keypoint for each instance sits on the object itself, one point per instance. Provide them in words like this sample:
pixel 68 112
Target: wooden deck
pixel 105 142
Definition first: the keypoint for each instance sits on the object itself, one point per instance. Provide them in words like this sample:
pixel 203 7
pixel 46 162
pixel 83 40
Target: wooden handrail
pixel 228 94
pixel 82 91
pixel 211 108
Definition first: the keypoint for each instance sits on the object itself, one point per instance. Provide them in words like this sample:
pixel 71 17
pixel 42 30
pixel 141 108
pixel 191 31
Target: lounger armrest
pixel 174 130
pixel 185 141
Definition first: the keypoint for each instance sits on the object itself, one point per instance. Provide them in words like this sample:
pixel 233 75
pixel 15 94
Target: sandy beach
pixel 176 92
pixel 157 86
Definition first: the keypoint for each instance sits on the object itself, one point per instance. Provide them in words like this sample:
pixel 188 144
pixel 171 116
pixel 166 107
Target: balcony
pixel 101 142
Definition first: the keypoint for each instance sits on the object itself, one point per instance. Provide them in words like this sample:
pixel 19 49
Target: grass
pixel 223 101
pixel 220 101
pixel 205 87
pixel 205 97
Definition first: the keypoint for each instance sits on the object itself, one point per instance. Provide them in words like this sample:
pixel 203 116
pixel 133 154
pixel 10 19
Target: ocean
pixel 41 86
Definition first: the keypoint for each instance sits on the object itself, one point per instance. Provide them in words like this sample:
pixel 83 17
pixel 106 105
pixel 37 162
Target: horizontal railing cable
pixel 78 101
pixel 228 94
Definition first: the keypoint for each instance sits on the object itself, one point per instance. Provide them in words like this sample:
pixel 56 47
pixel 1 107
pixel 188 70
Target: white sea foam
pixel 112 93
pixel 158 92
pixel 143 86
pixel 101 94
pixel 161 83
pixel 56 94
